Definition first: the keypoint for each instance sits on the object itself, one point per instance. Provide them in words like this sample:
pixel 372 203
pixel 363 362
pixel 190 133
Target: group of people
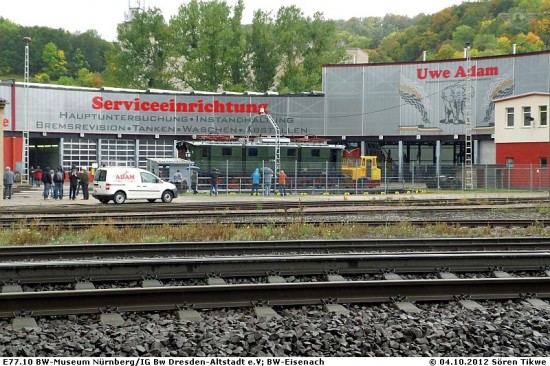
pixel 178 180
pixel 256 181
pixel 54 180
pixel 268 176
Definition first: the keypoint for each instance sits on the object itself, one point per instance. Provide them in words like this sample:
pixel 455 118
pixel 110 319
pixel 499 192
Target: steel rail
pixel 189 249
pixel 243 220
pixel 347 201
pixel 75 214
pixel 254 266
pixel 172 298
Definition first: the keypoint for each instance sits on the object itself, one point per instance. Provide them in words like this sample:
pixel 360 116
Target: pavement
pixel 25 195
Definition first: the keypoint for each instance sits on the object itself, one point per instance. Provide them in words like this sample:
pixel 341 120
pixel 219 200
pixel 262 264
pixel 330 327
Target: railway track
pixel 333 287
pixel 278 204
pixel 286 294
pixel 234 214
pixel 119 269
pixel 299 247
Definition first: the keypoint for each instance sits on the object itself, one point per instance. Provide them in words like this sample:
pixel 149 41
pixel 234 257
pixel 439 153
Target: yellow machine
pixel 363 168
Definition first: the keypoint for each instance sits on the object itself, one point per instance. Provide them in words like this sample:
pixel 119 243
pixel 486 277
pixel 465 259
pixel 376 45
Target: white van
pixel 122 183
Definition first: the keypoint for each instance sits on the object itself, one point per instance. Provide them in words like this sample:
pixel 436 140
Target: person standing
pixel 47 180
pixel 9 178
pixel 58 180
pixel 255 182
pixel 74 179
pixel 194 181
pixel 214 174
pixel 84 181
pixel 268 176
pixel 178 179
pixel 282 182
pixel 32 173
pixel 38 176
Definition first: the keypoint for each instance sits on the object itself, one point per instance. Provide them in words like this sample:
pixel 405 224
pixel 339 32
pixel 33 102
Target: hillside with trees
pixel 206 47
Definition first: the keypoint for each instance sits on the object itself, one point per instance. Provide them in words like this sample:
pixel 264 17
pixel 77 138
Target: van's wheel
pixel 119 197
pixel 151 200
pixel 167 196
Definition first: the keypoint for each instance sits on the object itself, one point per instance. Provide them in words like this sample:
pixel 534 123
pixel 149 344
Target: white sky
pixel 105 15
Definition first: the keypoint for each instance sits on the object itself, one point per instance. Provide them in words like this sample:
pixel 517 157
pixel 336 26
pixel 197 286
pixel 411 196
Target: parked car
pixel 122 183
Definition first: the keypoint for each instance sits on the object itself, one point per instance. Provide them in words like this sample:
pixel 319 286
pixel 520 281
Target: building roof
pixel 524 95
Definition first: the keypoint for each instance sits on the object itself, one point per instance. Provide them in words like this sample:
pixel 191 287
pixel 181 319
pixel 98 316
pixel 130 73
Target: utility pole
pixel 25 173
pixel 468 155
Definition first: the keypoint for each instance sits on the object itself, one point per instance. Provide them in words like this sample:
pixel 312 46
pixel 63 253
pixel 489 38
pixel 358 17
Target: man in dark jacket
pixel 214 174
pixel 58 180
pixel 84 181
pixel 74 178
pixel 47 180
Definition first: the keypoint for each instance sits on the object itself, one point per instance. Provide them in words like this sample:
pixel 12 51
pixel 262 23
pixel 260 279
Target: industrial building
pixel 424 112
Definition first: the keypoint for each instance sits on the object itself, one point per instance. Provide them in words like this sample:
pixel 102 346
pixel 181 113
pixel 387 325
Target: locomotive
pixel 240 157
pixel 306 158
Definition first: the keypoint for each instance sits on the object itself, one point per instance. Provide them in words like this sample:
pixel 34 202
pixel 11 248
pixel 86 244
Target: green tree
pixel 264 58
pixel 238 65
pixel 445 52
pixel 77 63
pixel 463 35
pixel 54 60
pixel 94 49
pixel 203 37
pixel 291 31
pixel 139 61
pixel 322 48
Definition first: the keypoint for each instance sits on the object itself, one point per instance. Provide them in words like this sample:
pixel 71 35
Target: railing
pixel 327 178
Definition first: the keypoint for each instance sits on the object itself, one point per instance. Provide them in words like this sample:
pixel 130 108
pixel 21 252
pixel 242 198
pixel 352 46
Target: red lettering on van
pixel 125 176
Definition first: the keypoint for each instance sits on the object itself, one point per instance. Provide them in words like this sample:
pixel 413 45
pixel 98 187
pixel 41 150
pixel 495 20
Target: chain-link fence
pixel 319 178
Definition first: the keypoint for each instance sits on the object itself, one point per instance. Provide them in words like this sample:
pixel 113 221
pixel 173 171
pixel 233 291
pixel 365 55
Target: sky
pixel 104 15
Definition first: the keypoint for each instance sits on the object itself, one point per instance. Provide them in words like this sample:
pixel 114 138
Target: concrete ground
pixel 33 196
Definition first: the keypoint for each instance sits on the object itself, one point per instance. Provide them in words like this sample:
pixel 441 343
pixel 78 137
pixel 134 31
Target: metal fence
pixel 324 178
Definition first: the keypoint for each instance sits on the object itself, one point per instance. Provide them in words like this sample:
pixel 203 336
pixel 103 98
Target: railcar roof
pixel 265 144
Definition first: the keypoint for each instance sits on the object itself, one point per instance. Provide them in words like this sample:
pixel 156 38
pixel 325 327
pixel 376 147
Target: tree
pixel 203 37
pixel 463 35
pixel 322 48
pixel 291 34
pixel 139 61
pixel 264 57
pixel 94 49
pixel 54 60
pixel 78 62
pixel 238 66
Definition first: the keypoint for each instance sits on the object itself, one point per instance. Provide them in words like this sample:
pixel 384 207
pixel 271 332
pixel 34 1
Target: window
pixel 527 119
pixel 205 152
pixel 148 178
pixel 509 117
pixel 315 153
pixel 118 152
pixel 543 114
pixel 253 151
pixel 154 148
pixel 227 151
pixel 509 162
pixel 543 162
pixel 79 152
pixel 291 152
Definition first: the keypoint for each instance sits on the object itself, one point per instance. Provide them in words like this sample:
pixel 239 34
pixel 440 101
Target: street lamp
pixel 25 176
